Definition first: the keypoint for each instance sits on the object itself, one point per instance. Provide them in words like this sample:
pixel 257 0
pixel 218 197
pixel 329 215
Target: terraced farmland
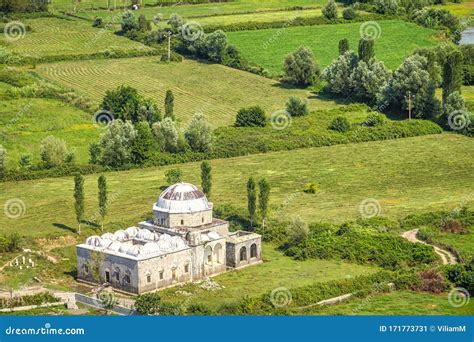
pixel 215 90
pixel 261 46
pixel 57 37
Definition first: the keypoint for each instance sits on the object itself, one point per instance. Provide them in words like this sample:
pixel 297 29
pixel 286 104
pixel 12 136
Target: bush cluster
pixel 36 299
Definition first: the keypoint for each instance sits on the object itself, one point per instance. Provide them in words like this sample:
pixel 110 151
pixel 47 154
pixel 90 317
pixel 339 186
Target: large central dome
pixel 182 198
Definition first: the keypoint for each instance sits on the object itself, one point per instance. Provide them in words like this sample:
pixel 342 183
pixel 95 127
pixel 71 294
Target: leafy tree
pixel 176 22
pixel 301 68
pixel 264 195
pixel 296 106
pixel 143 143
pixel 123 102
pixel 149 111
pixel 129 23
pixel 343 46
pixel 206 178
pixel 143 23
pixel 94 153
pixel 3 162
pixel 349 13
pixel 412 77
pixel 170 134
pixel 452 74
pixel 79 199
pixel 25 162
pixel 340 124
pixel 297 232
pixel 102 185
pixel 215 45
pixel 174 176
pixel 338 74
pixel 53 151
pixel 148 304
pixel 386 6
pixel 169 105
pixel 98 22
pixel 330 10
pixel 454 102
pixel 199 134
pixel 251 117
pixel 116 143
pixel 374 119
pixel 366 49
pixel 251 199
pixel 368 79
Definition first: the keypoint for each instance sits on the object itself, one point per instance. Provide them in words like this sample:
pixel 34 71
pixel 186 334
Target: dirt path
pixel 447 257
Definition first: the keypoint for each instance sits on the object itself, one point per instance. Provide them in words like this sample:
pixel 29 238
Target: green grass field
pixel 25 122
pixel 396 303
pixel 58 37
pixel 406 176
pixel 464 9
pixel 276 271
pixel 215 90
pixel 268 49
pixel 202 10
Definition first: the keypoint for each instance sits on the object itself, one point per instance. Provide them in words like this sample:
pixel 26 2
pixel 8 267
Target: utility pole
pixel 409 98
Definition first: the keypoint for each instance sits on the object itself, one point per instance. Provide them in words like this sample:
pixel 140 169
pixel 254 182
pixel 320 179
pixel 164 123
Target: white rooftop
pixel 182 198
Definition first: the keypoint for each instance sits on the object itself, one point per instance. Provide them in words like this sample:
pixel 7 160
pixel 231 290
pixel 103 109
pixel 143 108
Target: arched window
pixel 117 274
pixel 253 250
pixel 217 253
pixel 86 269
pixel 148 277
pixel 182 222
pixel 208 255
pixel 243 253
pixel 126 278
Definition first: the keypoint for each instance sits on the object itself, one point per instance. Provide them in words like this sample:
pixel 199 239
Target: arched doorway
pixel 243 253
pixel 218 253
pixel 253 251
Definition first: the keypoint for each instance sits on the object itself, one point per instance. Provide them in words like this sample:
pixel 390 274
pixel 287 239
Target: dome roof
pixel 182 198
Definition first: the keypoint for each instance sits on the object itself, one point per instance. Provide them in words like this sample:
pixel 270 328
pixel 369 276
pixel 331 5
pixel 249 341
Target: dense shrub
pixel 296 106
pixel 301 68
pixel 374 119
pixel 340 124
pixel 311 188
pixel 174 176
pixel 432 281
pixel 148 304
pixel 251 117
pixel 36 299
pixel 349 13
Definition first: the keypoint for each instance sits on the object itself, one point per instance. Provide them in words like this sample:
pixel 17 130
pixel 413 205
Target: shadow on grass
pixel 65 227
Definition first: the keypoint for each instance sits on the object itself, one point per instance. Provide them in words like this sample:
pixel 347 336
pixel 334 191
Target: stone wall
pixel 250 247
pixel 185 220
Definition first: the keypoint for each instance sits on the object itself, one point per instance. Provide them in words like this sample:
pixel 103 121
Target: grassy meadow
pixel 67 37
pixel 277 270
pixel 24 123
pixel 213 89
pixel 406 176
pixel 268 48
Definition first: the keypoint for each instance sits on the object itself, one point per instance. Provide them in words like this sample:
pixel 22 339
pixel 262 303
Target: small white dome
pixel 114 246
pixel 156 236
pixel 213 235
pixel 132 231
pixel 205 237
pixel 151 247
pixel 94 241
pixel 135 250
pixel 123 248
pixel 120 235
pixel 165 237
pixel 105 243
pixel 144 234
pixel 182 198
pixel 109 236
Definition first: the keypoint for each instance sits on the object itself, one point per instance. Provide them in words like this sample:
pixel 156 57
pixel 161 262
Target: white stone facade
pixel 183 242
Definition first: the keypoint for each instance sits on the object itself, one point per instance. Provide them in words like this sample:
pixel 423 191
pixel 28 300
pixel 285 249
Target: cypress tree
pixel 251 199
pixel 452 74
pixel 264 194
pixel 169 105
pixel 206 178
pixel 366 49
pixel 3 162
pixel 343 46
pixel 102 184
pixel 79 199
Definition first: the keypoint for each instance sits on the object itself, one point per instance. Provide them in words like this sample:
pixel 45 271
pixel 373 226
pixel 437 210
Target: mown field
pixel 203 10
pixel 405 176
pixel 276 271
pixel 63 37
pixel 24 123
pixel 215 90
pixel 268 48
pixel 464 9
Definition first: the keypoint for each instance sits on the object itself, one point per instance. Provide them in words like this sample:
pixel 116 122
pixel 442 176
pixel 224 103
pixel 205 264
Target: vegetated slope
pixel 405 176
pixel 51 36
pixel 215 90
pixel 268 48
pixel 24 123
